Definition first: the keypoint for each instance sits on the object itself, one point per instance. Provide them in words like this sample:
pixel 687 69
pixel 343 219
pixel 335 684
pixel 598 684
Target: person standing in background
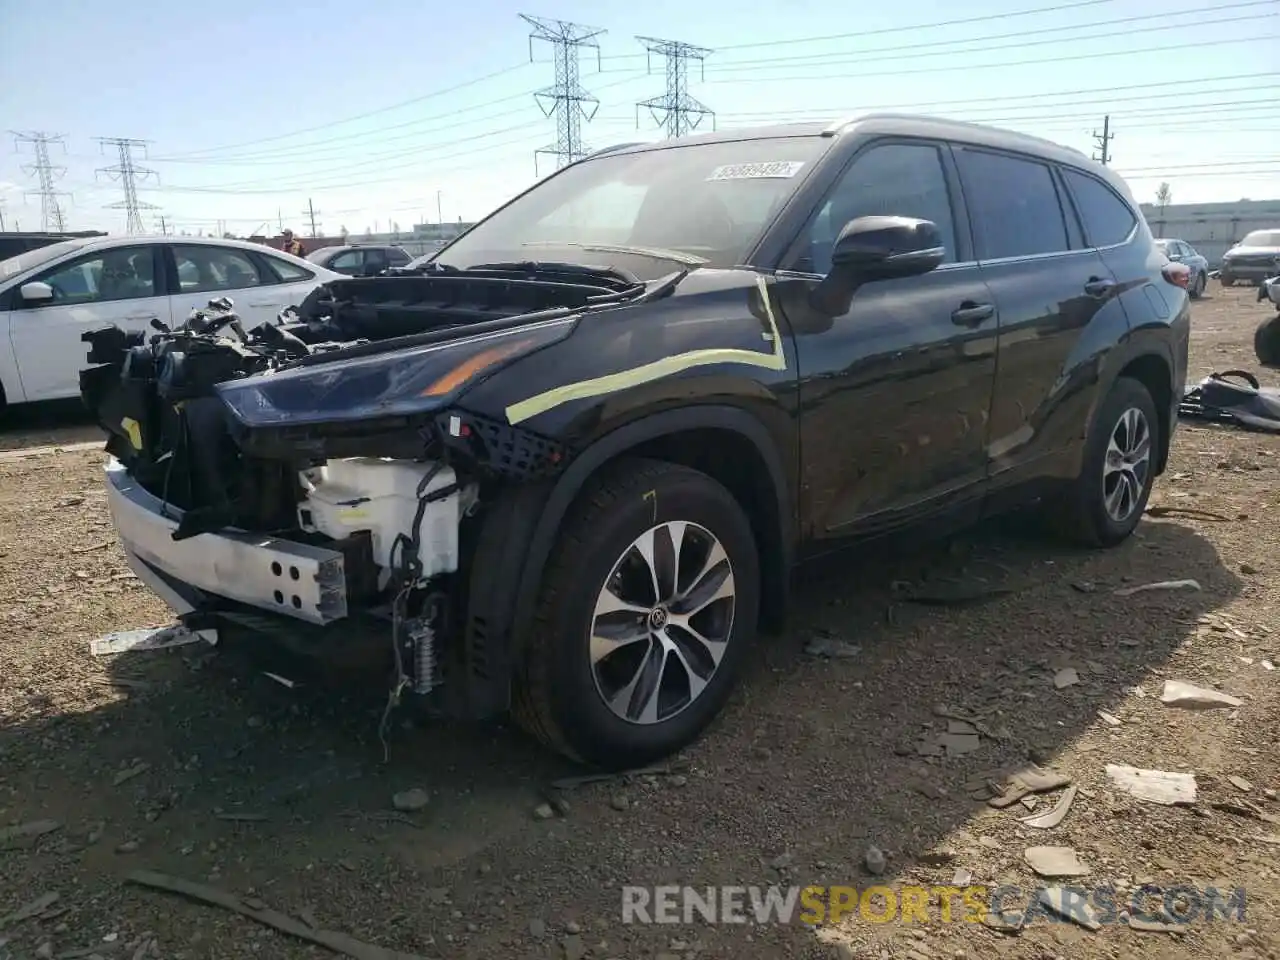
pixel 291 245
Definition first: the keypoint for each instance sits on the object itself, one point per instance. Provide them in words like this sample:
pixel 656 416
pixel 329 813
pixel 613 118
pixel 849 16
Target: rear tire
pixel 1226 279
pixel 1266 342
pixel 1108 499
pixel 1197 287
pixel 582 694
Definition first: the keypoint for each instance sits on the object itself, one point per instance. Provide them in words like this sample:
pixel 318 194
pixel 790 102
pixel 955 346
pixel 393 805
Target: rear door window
pixel 1014 205
pixel 1107 219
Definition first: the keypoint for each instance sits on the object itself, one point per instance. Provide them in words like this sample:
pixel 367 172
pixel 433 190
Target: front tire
pixel 650 599
pixel 1107 501
pixel 1197 287
pixel 1226 279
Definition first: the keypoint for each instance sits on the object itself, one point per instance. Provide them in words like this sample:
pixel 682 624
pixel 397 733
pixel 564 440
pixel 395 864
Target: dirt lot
pixel 194 764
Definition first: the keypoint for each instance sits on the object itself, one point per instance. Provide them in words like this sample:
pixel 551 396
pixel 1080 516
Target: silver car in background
pixel 1255 258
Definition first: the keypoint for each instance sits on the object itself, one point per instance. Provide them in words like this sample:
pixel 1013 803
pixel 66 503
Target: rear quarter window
pixel 1107 219
pixel 1014 205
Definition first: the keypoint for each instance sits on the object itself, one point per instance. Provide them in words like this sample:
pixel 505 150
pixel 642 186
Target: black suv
pixel 568 466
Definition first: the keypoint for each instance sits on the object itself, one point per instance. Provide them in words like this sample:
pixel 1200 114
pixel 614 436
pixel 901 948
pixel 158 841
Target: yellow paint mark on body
pixel 134 431
pixel 656 370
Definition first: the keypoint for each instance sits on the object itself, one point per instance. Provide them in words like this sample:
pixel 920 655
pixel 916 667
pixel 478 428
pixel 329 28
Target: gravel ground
pixel 201 767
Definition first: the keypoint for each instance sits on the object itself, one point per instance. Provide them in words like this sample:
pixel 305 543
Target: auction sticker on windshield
pixel 763 170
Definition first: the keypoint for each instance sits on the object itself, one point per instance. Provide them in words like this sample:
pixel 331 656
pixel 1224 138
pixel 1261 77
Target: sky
pixel 383 114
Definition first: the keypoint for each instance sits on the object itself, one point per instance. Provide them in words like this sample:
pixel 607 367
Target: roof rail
pixel 616 146
pixel 836 126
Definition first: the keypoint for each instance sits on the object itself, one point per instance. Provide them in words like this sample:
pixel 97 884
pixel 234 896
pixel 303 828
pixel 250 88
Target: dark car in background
pixel 1179 251
pixel 1254 259
pixel 359 260
pixel 14 243
pixel 567 468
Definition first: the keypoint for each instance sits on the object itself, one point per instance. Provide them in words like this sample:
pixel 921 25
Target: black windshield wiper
pixel 585 270
pixel 658 253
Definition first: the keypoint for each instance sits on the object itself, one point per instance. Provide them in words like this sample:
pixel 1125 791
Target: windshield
pixel 706 200
pixel 1261 238
pixel 33 258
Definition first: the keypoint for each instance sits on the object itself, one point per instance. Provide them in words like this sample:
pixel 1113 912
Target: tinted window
pixel 350 260
pixel 1013 204
pixel 397 257
pixel 120 274
pixel 287 272
pixel 897 180
pixel 205 269
pixel 1107 218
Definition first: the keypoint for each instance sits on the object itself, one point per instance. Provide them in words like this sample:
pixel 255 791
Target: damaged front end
pixel 318 480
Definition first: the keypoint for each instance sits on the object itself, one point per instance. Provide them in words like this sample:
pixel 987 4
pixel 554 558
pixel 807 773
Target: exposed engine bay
pixel 363 514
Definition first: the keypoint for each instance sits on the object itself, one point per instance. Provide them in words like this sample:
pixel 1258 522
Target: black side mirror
pixel 877 248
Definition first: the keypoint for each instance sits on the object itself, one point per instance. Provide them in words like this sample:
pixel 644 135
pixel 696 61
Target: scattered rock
pixel 1153 926
pixel 1084 586
pixel 572 927
pixel 782 860
pixel 1066 677
pixel 958 744
pixel 1248 569
pixel 1070 905
pixel 1159 585
pixel 875 861
pixel 832 648
pixel 574 948
pixel 36 907
pixel 1046 821
pixel 1109 718
pixel 1240 783
pixel 410 801
pixel 130 772
pixel 129 846
pixel 1156 786
pixel 1179 693
pixel 543 811
pixel 620 802
pixel 1055 862
pixel 25 833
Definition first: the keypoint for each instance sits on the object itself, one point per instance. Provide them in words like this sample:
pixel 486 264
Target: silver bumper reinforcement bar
pixel 296 579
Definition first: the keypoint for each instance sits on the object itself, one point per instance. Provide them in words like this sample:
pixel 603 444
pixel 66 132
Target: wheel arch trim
pixel 617 443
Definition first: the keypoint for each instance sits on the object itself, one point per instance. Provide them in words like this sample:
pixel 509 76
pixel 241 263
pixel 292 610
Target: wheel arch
pixel 727 443
pixel 1155 373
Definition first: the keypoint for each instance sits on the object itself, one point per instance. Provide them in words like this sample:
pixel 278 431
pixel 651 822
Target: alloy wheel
pixel 1127 466
pixel 662 622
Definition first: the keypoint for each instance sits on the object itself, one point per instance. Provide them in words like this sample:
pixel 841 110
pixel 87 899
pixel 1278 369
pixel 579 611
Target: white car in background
pixel 50 296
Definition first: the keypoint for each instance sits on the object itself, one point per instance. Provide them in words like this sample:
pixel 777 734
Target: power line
pixel 567 99
pixel 128 174
pixel 676 111
pixel 1040 98
pixel 922 49
pixel 359 116
pixel 913 28
pixel 46 174
pixel 753 77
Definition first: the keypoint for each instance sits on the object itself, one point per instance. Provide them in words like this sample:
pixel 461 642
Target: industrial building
pixel 1212 228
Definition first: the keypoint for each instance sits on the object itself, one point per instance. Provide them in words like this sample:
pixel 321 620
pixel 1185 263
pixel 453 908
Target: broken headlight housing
pixel 389 383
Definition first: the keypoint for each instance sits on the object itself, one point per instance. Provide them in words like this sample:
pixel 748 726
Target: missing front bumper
pixel 295 579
